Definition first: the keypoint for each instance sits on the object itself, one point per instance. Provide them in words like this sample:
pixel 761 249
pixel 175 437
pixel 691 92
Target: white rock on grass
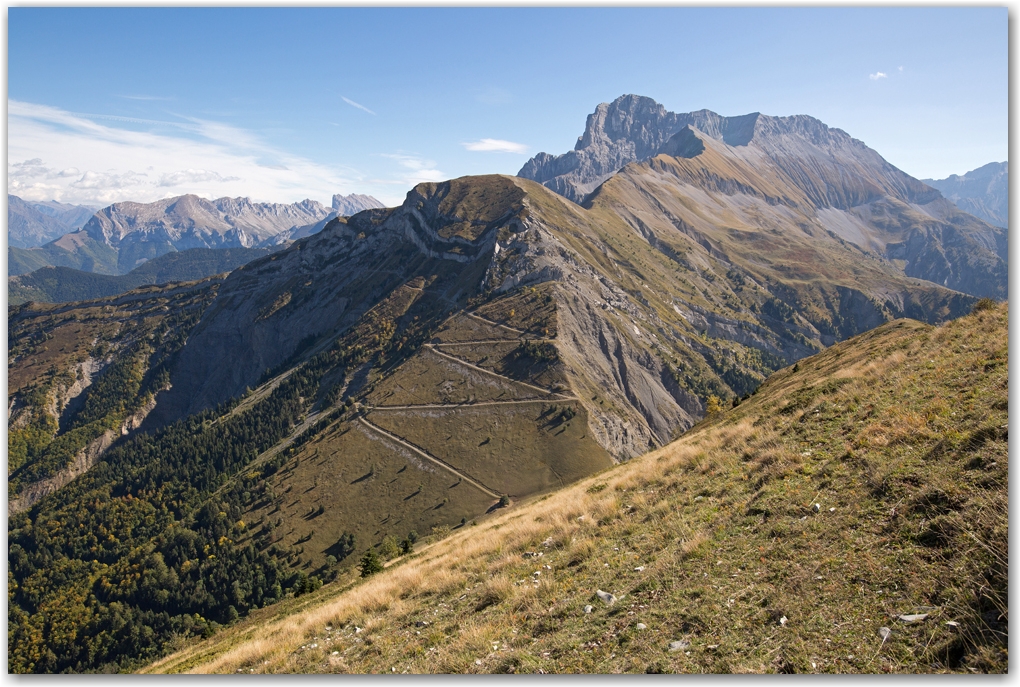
pixel 680 645
pixel 589 608
pixel 913 617
pixel 607 598
pixel 640 626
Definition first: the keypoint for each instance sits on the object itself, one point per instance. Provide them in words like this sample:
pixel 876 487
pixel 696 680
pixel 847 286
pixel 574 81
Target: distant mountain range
pixel 63 284
pixel 983 192
pixel 122 236
pixel 33 223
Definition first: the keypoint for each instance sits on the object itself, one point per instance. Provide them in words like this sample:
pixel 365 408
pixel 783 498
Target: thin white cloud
pixel 878 75
pixel 495 145
pixel 54 154
pixel 900 68
pixel 415 169
pixel 186 177
pixel 357 105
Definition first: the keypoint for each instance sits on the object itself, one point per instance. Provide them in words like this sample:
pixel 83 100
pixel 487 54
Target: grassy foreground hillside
pixel 851 516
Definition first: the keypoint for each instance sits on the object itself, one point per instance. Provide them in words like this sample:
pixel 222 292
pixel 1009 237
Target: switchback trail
pixel 496 324
pixel 428 456
pixel 459 406
pixel 494 374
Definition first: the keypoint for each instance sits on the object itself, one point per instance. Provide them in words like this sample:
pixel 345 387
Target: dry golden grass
pixel 714 541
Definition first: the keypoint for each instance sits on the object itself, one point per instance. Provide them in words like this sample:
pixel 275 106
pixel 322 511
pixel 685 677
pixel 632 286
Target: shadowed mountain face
pixel 983 192
pixel 833 180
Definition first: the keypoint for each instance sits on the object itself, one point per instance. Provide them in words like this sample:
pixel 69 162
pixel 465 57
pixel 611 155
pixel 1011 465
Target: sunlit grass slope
pixel 788 534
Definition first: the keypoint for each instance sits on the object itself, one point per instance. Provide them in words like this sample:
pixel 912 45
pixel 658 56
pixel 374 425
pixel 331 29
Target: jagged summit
pixel 838 170
pixel 345 206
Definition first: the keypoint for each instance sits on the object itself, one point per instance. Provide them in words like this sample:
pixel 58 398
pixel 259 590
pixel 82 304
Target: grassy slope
pixel 900 436
pixel 75 250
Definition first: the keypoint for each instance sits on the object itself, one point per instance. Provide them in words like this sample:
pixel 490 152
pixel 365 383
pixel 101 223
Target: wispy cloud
pixel 357 105
pixel 495 145
pixel 192 176
pixel 878 75
pixel 54 154
pixel 416 169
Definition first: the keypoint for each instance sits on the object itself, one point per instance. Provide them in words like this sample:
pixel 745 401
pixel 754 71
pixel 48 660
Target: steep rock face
pixel 982 192
pixel 798 161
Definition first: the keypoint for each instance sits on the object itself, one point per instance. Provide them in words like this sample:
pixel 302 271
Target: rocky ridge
pixel 983 192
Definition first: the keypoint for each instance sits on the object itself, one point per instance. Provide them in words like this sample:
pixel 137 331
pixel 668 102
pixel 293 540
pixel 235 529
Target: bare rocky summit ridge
pixel 144 230
pixel 122 236
pixel 983 192
pixel 832 179
pixel 352 204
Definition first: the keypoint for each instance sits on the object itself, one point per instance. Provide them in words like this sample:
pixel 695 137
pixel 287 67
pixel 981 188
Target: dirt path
pixel 490 341
pixel 459 406
pixel 428 456
pixel 494 374
pixel 496 324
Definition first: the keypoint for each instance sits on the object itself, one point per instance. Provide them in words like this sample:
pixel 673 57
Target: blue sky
pixel 115 104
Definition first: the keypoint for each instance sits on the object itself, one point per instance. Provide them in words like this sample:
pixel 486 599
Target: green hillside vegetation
pixel 57 411
pixel 851 516
pixel 76 250
pixel 64 284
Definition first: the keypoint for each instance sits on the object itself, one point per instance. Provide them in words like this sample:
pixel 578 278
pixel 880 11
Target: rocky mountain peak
pixel 829 166
pixel 352 204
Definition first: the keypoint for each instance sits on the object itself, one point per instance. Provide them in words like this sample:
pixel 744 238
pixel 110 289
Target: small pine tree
pixel 370 563
pixel 390 547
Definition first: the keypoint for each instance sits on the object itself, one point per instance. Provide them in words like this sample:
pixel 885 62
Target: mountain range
pixel 983 192
pixel 122 236
pixel 490 340
pixel 33 223
pixel 64 284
